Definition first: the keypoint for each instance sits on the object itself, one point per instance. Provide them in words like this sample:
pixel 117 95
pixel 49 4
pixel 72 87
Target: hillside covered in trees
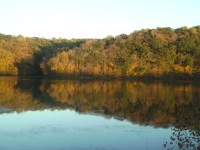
pixel 148 53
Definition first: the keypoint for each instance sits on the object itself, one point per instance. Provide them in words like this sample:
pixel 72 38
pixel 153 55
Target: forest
pixel 161 53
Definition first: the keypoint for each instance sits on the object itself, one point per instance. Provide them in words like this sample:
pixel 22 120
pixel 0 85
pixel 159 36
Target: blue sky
pixel 93 18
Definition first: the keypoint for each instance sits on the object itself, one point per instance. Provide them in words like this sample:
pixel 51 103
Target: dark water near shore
pixel 98 115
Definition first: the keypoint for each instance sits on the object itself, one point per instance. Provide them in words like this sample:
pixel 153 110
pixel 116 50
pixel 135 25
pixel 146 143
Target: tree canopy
pixel 148 53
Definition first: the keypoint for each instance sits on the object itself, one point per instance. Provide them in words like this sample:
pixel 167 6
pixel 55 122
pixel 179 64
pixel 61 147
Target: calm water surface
pixel 98 115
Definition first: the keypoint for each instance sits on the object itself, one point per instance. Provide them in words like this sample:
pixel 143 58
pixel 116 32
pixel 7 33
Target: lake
pixel 46 114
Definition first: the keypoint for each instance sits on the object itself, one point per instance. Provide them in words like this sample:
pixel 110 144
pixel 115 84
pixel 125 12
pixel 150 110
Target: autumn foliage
pixel 148 53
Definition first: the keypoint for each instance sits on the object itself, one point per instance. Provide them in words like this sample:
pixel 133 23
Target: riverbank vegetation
pixel 148 53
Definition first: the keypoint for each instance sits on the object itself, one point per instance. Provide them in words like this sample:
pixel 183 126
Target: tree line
pixel 147 53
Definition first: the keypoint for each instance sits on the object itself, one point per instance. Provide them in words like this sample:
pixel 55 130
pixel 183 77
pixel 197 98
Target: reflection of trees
pixel 12 97
pixel 24 94
pixel 156 102
pixel 186 134
pixel 136 101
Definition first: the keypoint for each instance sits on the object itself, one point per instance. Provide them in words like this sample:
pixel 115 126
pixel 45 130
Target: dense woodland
pixel 148 53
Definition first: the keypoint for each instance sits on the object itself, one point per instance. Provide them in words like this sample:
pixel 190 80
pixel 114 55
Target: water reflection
pixel 146 103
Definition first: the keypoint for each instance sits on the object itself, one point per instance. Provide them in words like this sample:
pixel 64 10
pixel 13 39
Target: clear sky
pixel 93 18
